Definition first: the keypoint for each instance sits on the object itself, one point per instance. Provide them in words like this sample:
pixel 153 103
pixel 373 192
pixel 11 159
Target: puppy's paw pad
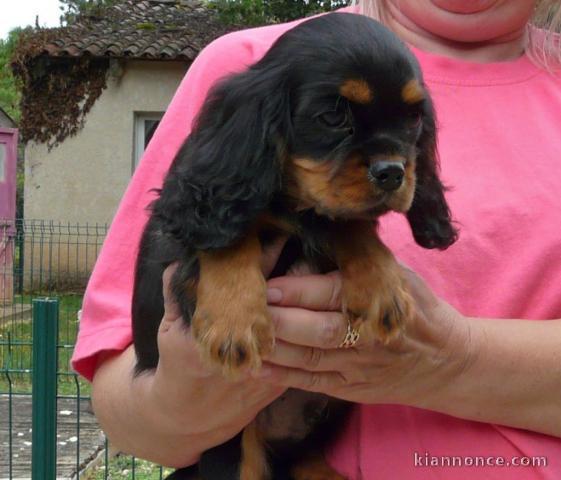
pixel 390 314
pixel 236 346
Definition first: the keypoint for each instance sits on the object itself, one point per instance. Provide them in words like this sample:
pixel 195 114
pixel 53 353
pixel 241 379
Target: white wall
pixel 83 179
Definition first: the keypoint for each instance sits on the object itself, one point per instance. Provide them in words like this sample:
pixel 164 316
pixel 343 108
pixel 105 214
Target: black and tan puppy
pixel 330 130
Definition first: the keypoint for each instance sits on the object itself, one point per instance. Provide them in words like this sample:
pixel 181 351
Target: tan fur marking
pixel 268 220
pixel 231 323
pixel 357 91
pixel 348 191
pixel 412 92
pixel 315 185
pixel 254 464
pixel 314 468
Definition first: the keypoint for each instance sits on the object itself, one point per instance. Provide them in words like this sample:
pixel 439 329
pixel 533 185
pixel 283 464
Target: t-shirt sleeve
pixel 105 323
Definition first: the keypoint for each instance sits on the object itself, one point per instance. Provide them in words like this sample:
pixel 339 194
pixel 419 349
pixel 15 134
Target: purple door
pixel 8 157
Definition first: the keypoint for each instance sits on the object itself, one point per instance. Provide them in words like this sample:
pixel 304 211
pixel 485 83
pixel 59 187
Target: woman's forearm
pixel 170 424
pixel 510 375
pixel 122 407
pixel 173 414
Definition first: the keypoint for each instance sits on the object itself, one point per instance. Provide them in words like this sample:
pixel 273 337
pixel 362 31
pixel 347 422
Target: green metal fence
pixel 47 427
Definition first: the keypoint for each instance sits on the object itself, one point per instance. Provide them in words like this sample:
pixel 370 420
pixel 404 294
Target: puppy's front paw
pixel 235 338
pixel 380 304
pixel 391 309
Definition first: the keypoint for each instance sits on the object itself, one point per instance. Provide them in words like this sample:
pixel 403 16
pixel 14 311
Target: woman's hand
pixel 501 371
pixel 309 327
pixel 173 414
pixel 188 390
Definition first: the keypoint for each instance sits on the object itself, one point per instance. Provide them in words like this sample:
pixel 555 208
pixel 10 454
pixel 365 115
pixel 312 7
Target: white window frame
pixel 139 133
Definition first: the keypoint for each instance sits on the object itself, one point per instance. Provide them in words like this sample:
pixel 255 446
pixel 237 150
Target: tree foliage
pixel 73 9
pixel 261 12
pixel 9 94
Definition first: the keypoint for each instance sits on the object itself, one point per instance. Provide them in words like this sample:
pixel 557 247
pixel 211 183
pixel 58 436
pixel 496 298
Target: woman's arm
pixel 513 377
pixel 172 420
pixel 496 371
pixel 173 414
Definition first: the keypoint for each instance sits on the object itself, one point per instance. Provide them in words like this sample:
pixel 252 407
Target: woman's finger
pixel 312 359
pixel 308 328
pixel 324 382
pixel 314 292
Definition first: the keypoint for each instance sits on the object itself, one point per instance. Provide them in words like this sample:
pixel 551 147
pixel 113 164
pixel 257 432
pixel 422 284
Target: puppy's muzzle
pixel 386 175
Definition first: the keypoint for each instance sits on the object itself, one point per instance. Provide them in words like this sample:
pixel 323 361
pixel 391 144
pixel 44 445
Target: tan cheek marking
pixel 412 92
pixel 311 165
pixel 356 90
pixel 314 186
pixel 351 188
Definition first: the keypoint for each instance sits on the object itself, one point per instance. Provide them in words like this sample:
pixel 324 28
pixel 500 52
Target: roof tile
pixel 150 29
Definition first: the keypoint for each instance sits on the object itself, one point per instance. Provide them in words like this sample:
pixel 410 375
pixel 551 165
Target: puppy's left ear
pixel 230 167
pixel 429 215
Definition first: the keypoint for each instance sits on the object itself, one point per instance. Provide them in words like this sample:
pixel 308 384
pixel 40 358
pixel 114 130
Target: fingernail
pixel 274 295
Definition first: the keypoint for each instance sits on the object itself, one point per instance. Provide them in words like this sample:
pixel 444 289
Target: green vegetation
pixel 16 354
pixel 72 9
pixel 121 468
pixel 260 12
pixel 9 94
pixel 146 26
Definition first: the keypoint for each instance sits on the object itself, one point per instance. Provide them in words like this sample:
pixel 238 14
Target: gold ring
pixel 351 338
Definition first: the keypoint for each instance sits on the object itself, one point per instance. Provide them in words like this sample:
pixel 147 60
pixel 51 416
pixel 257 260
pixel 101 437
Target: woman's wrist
pixel 440 348
pixel 501 371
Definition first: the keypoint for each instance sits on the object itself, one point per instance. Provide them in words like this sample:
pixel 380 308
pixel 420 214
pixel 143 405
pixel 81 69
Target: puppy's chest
pixel 309 239
pixel 293 416
pixel 300 418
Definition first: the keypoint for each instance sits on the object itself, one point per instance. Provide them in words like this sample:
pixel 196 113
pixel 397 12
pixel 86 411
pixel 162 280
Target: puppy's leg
pixel 374 289
pixel 231 323
pixel 254 464
pixel 314 467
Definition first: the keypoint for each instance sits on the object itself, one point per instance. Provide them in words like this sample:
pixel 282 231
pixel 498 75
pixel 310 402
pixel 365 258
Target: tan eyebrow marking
pixel 412 92
pixel 356 90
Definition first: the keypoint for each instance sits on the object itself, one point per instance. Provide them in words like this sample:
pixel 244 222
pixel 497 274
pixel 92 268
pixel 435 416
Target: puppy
pixel 330 130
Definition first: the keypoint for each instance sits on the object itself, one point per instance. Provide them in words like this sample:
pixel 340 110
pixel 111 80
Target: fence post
pixel 44 382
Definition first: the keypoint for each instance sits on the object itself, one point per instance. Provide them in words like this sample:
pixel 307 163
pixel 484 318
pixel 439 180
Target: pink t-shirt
pixel 500 148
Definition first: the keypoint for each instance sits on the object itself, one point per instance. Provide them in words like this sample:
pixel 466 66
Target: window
pixel 145 125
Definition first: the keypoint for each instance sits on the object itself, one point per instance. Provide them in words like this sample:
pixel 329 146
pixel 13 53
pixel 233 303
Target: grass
pixel 18 356
pixel 121 467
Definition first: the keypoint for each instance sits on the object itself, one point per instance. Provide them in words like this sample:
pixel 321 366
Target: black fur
pixel 429 216
pixel 233 168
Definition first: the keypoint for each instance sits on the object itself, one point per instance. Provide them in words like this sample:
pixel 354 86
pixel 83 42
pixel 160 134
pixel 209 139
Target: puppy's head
pixel 335 116
pixel 362 134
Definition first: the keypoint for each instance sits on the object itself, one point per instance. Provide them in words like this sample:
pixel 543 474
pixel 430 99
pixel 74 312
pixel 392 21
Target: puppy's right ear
pixel 229 168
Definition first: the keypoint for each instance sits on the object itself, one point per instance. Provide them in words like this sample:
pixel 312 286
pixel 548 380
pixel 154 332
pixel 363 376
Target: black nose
pixel 387 175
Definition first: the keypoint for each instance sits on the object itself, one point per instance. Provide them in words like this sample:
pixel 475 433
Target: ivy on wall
pixel 57 93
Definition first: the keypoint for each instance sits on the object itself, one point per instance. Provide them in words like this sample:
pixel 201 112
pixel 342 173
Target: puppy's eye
pixel 334 119
pixel 338 118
